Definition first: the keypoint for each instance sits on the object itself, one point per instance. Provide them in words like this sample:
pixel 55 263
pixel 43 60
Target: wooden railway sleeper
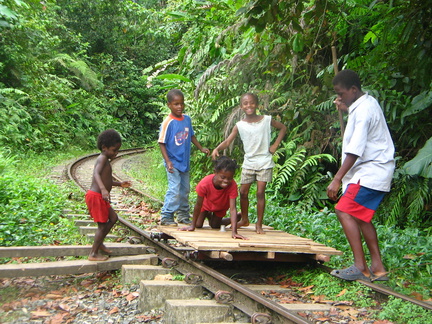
pixel 224 297
pixel 261 318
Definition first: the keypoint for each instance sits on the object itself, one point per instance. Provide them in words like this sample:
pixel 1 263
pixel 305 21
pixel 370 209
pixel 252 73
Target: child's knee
pixel 260 195
pixel 113 217
pixel 244 195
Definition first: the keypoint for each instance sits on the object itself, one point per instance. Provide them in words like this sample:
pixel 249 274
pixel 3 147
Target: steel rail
pixel 74 165
pixel 244 299
pixel 387 291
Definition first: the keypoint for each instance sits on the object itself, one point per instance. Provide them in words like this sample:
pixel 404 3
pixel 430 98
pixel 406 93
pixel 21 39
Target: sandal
pixel 350 274
pixel 382 277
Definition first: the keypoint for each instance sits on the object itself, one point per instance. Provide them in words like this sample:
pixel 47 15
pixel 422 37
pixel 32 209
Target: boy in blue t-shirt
pixel 175 137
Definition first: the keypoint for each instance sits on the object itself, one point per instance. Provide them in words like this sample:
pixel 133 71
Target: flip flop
pixel 350 274
pixel 382 277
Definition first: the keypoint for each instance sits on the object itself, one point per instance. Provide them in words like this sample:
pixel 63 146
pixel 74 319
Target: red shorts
pixel 98 208
pixel 360 202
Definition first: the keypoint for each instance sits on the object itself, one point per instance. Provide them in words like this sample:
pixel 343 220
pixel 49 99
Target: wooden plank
pixel 251 241
pixel 227 238
pixel 216 234
pixel 276 245
pixel 263 248
pixel 202 246
pixel 208 228
pixel 207 239
pixel 199 233
pixel 72 267
pixel 68 250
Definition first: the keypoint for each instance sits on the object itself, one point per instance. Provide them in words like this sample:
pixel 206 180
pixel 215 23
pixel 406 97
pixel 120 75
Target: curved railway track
pixel 254 305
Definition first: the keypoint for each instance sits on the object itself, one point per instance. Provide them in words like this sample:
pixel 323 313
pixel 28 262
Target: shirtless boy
pixel 98 197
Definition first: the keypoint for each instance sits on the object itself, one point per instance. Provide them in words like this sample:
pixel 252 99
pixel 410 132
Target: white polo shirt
pixel 367 136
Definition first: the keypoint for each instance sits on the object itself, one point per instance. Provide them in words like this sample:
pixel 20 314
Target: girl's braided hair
pixel 225 163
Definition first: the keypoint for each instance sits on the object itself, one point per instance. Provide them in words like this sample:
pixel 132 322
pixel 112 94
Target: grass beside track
pixel 36 204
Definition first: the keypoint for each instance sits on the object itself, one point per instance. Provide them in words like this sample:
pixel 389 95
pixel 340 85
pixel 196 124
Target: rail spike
pixel 135 240
pixel 224 297
pixel 169 263
pixel 193 278
pixel 261 318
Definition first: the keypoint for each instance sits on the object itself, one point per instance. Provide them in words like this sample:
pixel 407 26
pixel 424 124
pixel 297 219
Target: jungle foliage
pixel 70 69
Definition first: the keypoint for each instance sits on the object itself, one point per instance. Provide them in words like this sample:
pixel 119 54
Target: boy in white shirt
pixel 365 174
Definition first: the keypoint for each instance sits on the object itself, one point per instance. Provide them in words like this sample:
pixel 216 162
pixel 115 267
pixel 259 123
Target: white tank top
pixel 256 143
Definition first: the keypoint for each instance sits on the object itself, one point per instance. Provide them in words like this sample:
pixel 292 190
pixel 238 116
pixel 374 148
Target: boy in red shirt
pixel 216 194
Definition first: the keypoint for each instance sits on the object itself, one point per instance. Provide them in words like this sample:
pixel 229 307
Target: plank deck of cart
pixel 273 245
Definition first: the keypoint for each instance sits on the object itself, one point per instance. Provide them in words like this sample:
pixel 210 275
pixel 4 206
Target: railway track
pixel 255 306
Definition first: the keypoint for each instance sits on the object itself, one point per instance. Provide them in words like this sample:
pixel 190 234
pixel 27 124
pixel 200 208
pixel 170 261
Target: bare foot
pixel 259 229
pixel 104 249
pixel 243 223
pixel 98 257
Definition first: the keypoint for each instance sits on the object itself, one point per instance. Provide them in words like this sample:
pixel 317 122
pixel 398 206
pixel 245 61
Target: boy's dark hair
pixel 108 138
pixel 174 93
pixel 250 94
pixel 225 163
pixel 347 79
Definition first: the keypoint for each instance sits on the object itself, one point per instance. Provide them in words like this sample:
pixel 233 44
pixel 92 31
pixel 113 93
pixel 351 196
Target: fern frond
pixel 397 206
pixel 326 106
pixel 314 160
pixel 285 172
pixel 80 69
pixel 12 90
pixel 211 71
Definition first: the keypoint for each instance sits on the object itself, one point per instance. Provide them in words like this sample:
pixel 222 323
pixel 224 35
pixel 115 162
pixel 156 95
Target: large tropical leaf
pixel 421 164
pixel 419 103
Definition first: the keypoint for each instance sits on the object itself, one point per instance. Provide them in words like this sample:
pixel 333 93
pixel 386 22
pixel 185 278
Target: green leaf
pixel 174 77
pixel 241 11
pixel 298 43
pixel 421 164
pixel 177 14
pixel 6 12
pixel 419 103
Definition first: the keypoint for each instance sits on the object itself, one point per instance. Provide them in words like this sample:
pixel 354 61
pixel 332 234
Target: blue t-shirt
pixel 176 134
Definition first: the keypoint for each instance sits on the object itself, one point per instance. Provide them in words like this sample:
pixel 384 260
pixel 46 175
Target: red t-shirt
pixel 216 200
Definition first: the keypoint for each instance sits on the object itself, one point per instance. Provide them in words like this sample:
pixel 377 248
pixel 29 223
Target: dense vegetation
pixel 70 69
